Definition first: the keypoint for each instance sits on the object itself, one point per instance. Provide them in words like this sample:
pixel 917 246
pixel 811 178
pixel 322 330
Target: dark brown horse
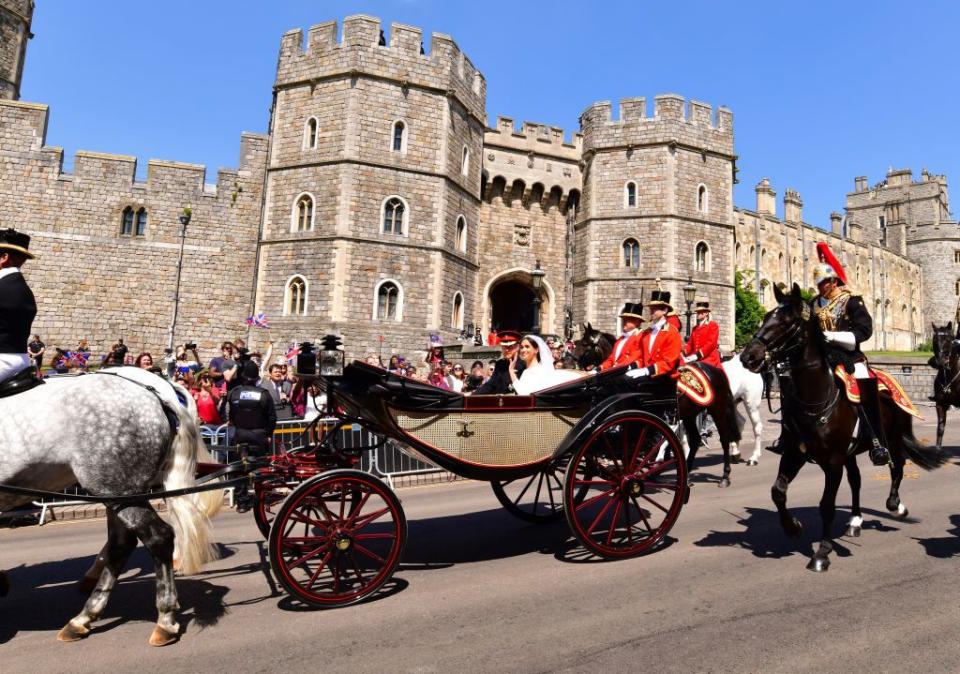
pixel 946 387
pixel 594 347
pixel 821 424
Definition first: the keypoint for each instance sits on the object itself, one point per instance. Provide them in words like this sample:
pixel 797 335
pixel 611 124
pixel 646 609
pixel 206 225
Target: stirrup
pixel 879 455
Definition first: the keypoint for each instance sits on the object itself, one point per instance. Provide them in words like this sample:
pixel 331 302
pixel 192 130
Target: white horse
pixel 116 433
pixel 747 388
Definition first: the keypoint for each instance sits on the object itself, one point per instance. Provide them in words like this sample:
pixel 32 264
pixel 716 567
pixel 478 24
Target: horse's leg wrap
pixel 854 480
pixel 894 504
pixel 121 541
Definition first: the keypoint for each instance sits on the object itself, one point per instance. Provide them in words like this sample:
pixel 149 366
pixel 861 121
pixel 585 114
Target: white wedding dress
pixel 542 375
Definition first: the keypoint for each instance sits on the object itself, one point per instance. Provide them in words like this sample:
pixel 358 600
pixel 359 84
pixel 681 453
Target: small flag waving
pixel 258 321
pixel 292 353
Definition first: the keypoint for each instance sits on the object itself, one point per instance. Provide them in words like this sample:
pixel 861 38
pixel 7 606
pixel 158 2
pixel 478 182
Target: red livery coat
pixel 665 355
pixel 705 342
pixel 629 354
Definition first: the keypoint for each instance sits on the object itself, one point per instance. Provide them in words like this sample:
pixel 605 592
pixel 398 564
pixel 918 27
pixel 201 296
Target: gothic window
pixel 461 236
pixel 956 256
pixel 310 134
pixel 737 253
pixel 702 199
pixel 456 318
pixel 302 214
pixel 631 254
pixel 389 301
pixel 126 223
pixel 465 162
pixel 630 195
pixel 141 222
pixel 394 218
pixel 701 260
pixel 882 223
pixel 295 297
pixel 399 140
pixel 956 288
pixel 780 264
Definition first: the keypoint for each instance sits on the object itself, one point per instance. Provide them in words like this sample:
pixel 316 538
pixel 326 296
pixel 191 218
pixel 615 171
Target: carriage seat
pixel 22 381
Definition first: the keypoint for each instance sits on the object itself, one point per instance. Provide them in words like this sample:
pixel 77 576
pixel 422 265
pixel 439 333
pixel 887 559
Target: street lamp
pixel 184 221
pixel 536 280
pixel 689 294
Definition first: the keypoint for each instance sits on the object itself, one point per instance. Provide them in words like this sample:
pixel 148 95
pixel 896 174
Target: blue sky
pixel 821 92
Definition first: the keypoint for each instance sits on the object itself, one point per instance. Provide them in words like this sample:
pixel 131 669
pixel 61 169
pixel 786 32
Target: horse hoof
pixel 72 632
pixel 795 528
pixel 852 532
pixel 902 513
pixel 162 637
pixel 725 482
pixel 818 564
pixel 752 462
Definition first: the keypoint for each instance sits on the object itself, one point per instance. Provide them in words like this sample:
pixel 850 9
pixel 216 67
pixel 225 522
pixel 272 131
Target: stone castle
pixel 381 204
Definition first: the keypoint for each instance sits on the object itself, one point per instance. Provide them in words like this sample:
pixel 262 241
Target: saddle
pixel 22 381
pixel 886 385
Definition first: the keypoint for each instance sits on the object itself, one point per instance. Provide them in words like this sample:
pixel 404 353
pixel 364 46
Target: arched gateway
pixel 508 302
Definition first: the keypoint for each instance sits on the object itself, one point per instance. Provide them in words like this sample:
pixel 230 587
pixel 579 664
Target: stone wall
pixel 91 280
pixel 15 18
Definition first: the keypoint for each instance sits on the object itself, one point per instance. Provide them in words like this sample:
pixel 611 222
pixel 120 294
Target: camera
pixel 191 346
pixel 243 354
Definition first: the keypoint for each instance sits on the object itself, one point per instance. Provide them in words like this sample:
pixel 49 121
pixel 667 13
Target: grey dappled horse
pixel 115 433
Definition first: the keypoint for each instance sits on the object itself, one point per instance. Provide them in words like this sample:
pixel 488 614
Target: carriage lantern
pixel 331 357
pixel 306 361
pixel 689 294
pixel 536 280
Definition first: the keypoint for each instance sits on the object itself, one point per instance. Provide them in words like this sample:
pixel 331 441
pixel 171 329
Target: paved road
pixel 480 591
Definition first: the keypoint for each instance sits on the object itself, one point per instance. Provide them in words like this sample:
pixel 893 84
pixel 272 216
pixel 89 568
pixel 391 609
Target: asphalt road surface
pixel 481 591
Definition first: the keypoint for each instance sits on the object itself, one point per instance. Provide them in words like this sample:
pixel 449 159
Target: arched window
pixel 302 214
pixel 631 254
pixel 737 253
pixel 126 223
pixel 702 198
pixel 956 288
pixel 701 260
pixel 394 218
pixel 388 304
pixel 630 195
pixel 295 297
pixel 461 235
pixel 399 141
pixel 465 161
pixel 780 264
pixel 310 134
pixel 456 318
pixel 141 222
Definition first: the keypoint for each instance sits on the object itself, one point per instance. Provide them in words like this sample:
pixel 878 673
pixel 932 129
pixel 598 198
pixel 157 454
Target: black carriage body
pixel 491 437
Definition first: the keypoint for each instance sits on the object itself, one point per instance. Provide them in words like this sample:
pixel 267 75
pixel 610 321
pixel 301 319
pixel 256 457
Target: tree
pixel 749 311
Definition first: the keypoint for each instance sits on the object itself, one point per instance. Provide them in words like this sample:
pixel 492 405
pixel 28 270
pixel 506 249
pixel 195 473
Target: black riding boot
pixel 870 409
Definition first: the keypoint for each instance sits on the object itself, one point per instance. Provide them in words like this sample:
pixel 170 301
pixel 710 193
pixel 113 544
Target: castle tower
pixel 373 181
pixel 657 208
pixel 15 18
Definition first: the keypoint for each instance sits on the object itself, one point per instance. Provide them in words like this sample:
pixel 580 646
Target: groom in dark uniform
pixel 500 381
pixel 17 304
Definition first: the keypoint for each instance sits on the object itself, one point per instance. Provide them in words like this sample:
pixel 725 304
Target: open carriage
pixel 599 451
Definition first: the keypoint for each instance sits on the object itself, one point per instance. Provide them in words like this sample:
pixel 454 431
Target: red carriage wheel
pixel 267 498
pixel 634 474
pixel 535 498
pixel 337 538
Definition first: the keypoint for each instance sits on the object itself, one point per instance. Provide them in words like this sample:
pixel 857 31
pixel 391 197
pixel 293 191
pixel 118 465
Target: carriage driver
pixel 704 343
pixel 17 304
pixel 660 344
pixel 846 324
pixel 626 350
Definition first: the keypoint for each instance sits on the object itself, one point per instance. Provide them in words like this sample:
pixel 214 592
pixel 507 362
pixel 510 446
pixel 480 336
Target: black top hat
pixel 11 239
pixel 660 298
pixel 703 305
pixel 509 337
pixel 631 310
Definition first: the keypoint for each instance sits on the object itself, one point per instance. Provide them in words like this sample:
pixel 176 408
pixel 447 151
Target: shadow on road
pixel 946 547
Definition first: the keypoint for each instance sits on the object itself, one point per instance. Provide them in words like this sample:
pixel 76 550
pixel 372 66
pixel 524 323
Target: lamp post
pixel 184 221
pixel 689 294
pixel 536 280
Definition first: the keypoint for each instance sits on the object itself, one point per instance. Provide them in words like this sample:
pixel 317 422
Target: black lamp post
pixel 536 280
pixel 184 221
pixel 689 294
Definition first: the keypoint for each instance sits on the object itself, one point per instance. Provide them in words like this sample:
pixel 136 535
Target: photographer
pixel 188 359
pixel 116 355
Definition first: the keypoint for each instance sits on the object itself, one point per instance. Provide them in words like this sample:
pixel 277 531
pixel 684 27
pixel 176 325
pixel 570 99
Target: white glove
pixel 691 358
pixel 639 373
pixel 844 340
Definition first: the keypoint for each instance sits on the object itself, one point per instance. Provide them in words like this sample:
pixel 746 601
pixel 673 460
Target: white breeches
pixel 860 370
pixel 12 363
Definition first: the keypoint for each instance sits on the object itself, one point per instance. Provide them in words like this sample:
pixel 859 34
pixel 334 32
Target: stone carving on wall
pixel 521 235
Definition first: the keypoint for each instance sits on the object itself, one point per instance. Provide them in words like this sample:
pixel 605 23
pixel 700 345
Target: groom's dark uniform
pixel 500 381
pixel 18 307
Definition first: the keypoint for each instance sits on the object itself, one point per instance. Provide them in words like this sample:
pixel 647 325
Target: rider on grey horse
pixel 17 304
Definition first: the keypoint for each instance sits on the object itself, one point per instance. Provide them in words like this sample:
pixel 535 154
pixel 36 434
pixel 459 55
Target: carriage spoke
pixel 309 556
pixel 636 448
pixel 300 518
pixel 524 491
pixel 603 511
pixel 357 509
pixel 553 504
pixel 650 453
pixel 595 498
pixel 368 519
pixel 320 568
pixel 664 485
pixel 589 483
pixel 658 468
pixel 613 521
pixel 650 500
pixel 536 498
pixel 643 517
pixel 371 537
pixel 369 553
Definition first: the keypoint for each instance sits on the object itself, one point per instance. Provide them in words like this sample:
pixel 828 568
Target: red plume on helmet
pixel 827 257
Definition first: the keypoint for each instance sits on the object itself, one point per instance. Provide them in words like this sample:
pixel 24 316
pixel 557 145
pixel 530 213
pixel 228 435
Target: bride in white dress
pixel 539 373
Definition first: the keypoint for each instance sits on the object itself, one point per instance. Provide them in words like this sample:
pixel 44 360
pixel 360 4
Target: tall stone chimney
pixel 836 221
pixel 792 206
pixel 766 198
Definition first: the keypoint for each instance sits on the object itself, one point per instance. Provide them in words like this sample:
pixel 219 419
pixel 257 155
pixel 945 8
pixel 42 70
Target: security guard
pixel 18 307
pixel 253 417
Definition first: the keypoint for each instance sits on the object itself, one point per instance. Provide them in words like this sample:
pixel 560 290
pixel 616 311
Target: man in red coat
pixel 704 344
pixel 626 349
pixel 660 344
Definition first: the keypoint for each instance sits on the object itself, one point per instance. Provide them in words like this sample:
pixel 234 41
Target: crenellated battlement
pixel 534 137
pixel 359 51
pixel 674 120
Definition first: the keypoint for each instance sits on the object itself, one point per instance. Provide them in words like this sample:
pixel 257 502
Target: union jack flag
pixel 258 321
pixel 81 357
pixel 292 353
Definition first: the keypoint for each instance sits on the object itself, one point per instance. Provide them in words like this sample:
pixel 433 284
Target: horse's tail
pixel 190 514
pixel 925 456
